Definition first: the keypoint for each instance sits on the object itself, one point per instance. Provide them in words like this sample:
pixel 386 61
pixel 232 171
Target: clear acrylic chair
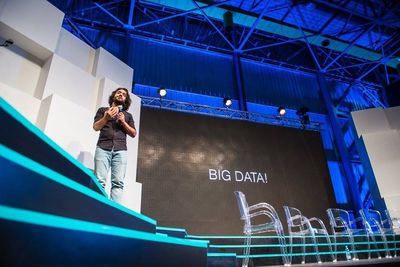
pixel 374 225
pixel 301 227
pixel 343 226
pixel 393 222
pixel 272 224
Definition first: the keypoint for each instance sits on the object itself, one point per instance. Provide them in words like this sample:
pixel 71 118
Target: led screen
pixel 190 165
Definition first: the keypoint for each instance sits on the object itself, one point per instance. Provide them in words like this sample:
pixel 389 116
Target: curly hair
pixel 127 102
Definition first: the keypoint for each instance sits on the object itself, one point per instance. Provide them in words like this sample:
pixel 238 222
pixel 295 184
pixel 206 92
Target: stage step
pixel 29 185
pixel 175 232
pixel 20 135
pixel 222 260
pixel 32 238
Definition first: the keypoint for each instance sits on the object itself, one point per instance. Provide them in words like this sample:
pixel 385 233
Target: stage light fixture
pixel 162 92
pixel 281 111
pixel 303 116
pixel 227 102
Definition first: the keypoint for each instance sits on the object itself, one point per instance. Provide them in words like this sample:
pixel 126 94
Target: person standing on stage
pixel 114 123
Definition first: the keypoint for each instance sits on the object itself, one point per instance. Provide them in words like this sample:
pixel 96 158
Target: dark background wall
pixel 177 151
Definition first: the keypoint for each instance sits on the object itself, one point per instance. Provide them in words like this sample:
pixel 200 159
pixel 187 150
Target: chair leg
pixel 353 248
pixel 369 246
pixel 335 246
pixel 317 256
pixel 246 251
pixel 385 245
pixel 328 241
pixel 290 248
pixel 287 260
pixel 303 250
pixel 372 236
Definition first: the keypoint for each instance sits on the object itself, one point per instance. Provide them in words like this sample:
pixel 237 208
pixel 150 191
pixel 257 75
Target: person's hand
pixel 111 113
pixel 121 117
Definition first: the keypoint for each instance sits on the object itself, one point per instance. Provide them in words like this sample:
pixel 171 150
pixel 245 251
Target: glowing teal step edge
pixel 306 245
pixel 221 255
pixel 293 254
pixel 313 253
pixel 52 221
pixel 161 228
pixel 33 166
pixel 273 236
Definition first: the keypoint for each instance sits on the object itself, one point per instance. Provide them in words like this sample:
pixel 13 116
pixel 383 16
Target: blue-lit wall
pixel 182 69
pixel 202 72
pixel 276 86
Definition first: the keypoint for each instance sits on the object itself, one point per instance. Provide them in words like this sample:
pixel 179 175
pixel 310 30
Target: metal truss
pixel 308 43
pixel 166 104
pixel 253 42
pixel 371 96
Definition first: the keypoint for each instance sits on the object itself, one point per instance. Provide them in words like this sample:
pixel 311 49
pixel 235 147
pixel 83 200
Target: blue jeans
pixel 103 160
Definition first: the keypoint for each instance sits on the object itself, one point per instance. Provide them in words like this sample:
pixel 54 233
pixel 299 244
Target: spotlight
pixel 162 92
pixel 227 102
pixel 7 43
pixel 281 111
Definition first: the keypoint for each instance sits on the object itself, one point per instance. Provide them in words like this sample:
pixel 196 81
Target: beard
pixel 118 102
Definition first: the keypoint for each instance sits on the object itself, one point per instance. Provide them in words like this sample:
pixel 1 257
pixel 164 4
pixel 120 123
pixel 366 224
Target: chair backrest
pixel 242 204
pixel 293 216
pixel 372 219
pixel 339 218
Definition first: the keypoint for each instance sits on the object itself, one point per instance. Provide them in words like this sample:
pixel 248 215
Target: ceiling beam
pixel 213 25
pixel 348 11
pixel 179 14
pixel 254 25
pixel 353 42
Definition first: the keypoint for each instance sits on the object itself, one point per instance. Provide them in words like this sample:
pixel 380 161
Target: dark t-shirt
pixel 113 135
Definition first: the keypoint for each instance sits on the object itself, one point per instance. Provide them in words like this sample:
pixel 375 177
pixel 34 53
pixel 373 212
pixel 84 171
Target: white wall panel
pixel 75 51
pixel 107 65
pixel 393 117
pixel 132 197
pixel 133 143
pixel 24 103
pixel 33 25
pixel 380 139
pixel 70 126
pixel 133 190
pixel 18 71
pixel 70 82
pixel 393 202
pixel 383 149
pixel 370 120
